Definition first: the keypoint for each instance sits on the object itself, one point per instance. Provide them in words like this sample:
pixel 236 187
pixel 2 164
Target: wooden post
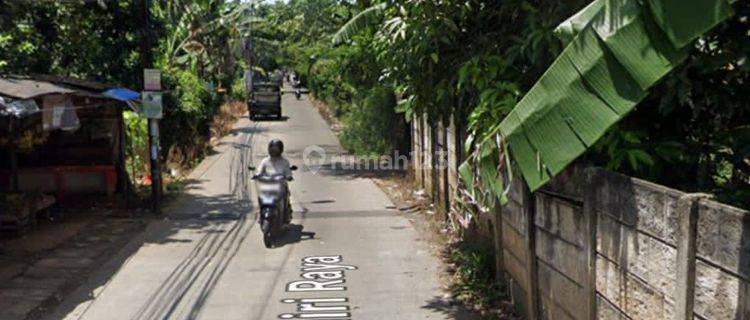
pixel 593 181
pixel 153 124
pixel 687 229
pixel 124 179
pixel 532 281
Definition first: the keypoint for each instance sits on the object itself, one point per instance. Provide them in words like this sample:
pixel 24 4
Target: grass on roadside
pixel 471 264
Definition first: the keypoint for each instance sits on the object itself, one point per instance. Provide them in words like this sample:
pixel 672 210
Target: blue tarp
pixel 122 94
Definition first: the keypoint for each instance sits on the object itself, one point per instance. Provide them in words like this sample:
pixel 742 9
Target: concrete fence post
pixel 418 151
pixel 427 147
pixel 443 169
pixel 498 237
pixel 593 181
pixel 687 229
pixel 532 281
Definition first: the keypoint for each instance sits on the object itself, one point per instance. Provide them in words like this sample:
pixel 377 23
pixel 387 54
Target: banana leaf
pixel 569 29
pixel 684 22
pixel 617 50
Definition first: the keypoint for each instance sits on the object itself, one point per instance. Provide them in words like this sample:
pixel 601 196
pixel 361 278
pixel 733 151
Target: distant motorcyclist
pixel 276 164
pixel 295 80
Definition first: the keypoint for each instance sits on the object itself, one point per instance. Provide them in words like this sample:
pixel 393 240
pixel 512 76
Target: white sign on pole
pixel 152 104
pixel 151 79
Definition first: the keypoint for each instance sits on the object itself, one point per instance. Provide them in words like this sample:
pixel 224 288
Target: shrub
pixel 370 125
pixel 189 108
pixel 237 91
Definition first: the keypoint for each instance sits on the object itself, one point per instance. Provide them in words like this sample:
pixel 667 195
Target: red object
pixel 58 172
pixel 146 181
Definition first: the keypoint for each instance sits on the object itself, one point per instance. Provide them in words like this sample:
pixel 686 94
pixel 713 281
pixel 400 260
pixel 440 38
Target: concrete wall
pixel 593 244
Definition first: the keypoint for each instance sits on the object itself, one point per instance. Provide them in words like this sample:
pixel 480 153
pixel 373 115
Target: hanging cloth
pixel 58 113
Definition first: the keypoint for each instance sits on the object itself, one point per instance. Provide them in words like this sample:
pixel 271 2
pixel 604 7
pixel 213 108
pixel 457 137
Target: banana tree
pixel 207 33
pixel 616 51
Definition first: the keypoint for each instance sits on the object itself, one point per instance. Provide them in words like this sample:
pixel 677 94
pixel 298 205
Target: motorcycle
pixel 273 200
pixel 298 94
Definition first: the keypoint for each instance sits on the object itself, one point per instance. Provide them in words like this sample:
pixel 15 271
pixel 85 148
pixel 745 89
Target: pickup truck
pixel 265 100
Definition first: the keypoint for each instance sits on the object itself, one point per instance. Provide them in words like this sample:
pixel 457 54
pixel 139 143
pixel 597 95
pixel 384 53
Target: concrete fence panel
pixel 594 244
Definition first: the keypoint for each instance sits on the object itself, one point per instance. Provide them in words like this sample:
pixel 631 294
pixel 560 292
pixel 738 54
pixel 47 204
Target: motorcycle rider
pixel 274 164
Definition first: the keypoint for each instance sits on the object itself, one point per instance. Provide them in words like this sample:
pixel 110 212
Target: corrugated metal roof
pixel 21 88
pixel 73 82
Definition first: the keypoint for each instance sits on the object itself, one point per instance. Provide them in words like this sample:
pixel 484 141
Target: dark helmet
pixel 275 148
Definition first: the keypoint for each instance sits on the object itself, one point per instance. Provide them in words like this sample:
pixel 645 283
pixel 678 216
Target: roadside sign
pixel 151 79
pixel 152 104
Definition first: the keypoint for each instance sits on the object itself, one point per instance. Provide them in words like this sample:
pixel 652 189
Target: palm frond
pixel 358 23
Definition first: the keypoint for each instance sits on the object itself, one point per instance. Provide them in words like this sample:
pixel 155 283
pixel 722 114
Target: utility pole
pixel 153 124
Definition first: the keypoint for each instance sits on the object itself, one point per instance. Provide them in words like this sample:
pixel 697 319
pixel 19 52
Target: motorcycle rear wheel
pixel 267 235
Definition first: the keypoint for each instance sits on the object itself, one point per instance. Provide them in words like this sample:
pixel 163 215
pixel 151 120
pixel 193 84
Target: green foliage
pixel 76 38
pixel 477 58
pixel 237 91
pixel 369 125
pixel 196 44
pixel 189 108
pixel 473 268
pixel 346 78
pixel 694 124
pixel 136 128
pixel 497 97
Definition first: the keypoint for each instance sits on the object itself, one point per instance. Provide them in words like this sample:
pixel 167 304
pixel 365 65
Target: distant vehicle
pixel 265 100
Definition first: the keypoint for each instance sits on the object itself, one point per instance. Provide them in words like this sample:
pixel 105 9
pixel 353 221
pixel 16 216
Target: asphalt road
pixel 347 252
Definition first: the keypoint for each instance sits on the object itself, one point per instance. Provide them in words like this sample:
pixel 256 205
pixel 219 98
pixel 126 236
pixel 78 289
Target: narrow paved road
pixel 347 249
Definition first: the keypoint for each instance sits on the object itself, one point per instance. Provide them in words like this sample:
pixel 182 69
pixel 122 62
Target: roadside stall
pixel 60 138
